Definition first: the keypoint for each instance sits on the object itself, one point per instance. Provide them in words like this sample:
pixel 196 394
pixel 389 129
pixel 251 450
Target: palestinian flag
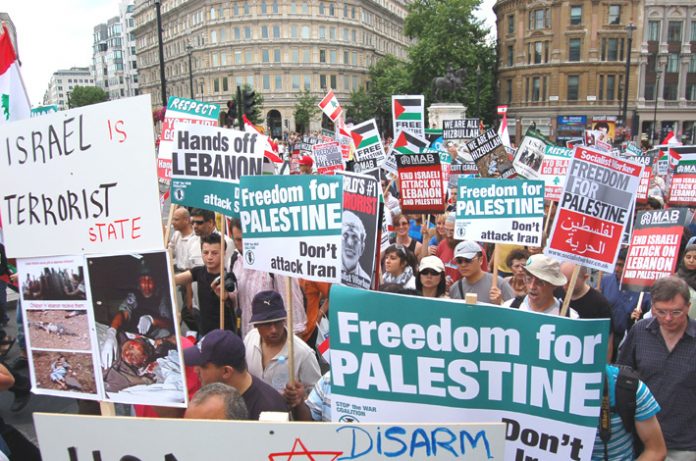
pixel 365 134
pixel 407 108
pixel 330 106
pixel 407 143
pixel 14 102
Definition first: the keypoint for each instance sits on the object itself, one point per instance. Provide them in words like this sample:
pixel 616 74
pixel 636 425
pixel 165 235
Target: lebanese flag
pixel 670 139
pixel 14 101
pixel 503 129
pixel 330 106
pixel 270 151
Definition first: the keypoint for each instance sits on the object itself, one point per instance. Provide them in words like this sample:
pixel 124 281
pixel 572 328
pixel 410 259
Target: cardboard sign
pixel 181 110
pixel 369 151
pixel 530 155
pixel 408 114
pixel 645 178
pixel 408 143
pixel 208 163
pixel 401 358
pixel 467 128
pixel 359 229
pixel 420 183
pixel 594 209
pixel 490 156
pixel 682 190
pixel 500 211
pixel 654 250
pixel 83 438
pixel 292 225
pixel 327 157
pixel 553 171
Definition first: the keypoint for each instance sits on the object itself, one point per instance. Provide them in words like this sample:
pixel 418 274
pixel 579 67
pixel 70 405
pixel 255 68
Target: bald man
pixel 354 236
pixel 182 240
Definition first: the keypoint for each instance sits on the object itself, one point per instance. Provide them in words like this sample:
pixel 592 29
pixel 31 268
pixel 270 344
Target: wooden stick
pixel 599 281
pixel 494 283
pixel 107 409
pixel 471 298
pixel 291 333
pixel 222 275
pixel 168 227
pixel 639 306
pixel 569 291
pixel 548 220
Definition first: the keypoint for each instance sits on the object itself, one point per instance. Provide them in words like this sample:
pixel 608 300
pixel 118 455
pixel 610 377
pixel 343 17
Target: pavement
pixel 23 420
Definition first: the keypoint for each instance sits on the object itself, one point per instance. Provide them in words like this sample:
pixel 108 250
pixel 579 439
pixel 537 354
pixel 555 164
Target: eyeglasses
pixel 528 279
pixel 462 260
pixel 429 272
pixel 675 314
pixel 197 222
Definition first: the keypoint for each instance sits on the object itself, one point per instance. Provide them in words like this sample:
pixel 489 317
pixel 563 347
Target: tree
pixel 257 115
pixel 306 108
pixel 359 107
pixel 86 95
pixel 388 76
pixel 448 36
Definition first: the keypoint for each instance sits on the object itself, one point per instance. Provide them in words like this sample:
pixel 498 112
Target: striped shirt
pixel 620 446
pixel 319 400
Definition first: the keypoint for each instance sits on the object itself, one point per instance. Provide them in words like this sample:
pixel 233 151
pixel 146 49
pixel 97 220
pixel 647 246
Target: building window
pixel 216 86
pixel 247 33
pixel 247 57
pixel 225 86
pixel 672 63
pixel 611 87
pixel 322 32
pixel 266 79
pixel 295 56
pixel 509 91
pixel 511 24
pixel 276 31
pixel 295 82
pixel 614 16
pixel 510 56
pixel 307 82
pixel 322 56
pixel 305 32
pixel 654 31
pixel 237 35
pixel 575 15
pixel 263 7
pixel 691 92
pixel 674 31
pixel 537 53
pixel 539 19
pixel 274 7
pixel 573 86
pixel 670 93
pixel 574 49
pixel 536 88
pixel 265 56
pixel 612 49
pixel 279 82
pixel 276 55
pixel 264 31
pixel 238 57
pixel 332 56
pixel 321 8
pixel 346 57
pixel 692 63
pixel 333 81
pixel 306 55
pixel 693 31
pixel 322 81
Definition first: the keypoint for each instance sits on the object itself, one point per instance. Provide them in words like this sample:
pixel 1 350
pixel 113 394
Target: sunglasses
pixel 429 272
pixel 462 260
pixel 197 222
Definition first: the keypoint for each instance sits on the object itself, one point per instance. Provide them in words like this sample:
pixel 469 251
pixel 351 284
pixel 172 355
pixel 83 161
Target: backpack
pixel 625 392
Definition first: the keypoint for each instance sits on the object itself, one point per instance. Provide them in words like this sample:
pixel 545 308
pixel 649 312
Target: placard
pixel 553 171
pixel 420 183
pixel 327 157
pixel 460 129
pixel 369 151
pixel 490 156
pixel 408 114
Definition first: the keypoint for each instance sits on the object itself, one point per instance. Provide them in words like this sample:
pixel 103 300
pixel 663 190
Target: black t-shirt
pixel 592 305
pixel 262 397
pixel 209 302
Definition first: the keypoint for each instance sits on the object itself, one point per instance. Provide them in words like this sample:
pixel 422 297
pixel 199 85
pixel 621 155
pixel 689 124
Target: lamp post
pixel 629 33
pixel 158 5
pixel 189 50
pixel 478 90
pixel 658 74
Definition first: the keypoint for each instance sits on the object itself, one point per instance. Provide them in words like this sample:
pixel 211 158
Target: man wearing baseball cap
pixel 306 164
pixel 267 348
pixel 219 357
pixel 467 256
pixel 542 276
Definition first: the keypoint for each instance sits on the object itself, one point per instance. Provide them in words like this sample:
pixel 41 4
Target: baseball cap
pixel 431 262
pixel 221 347
pixel 546 269
pixel 266 307
pixel 467 249
pixel 306 161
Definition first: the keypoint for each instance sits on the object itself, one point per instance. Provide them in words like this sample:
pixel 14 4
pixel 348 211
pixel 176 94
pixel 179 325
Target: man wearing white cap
pixel 542 276
pixel 467 256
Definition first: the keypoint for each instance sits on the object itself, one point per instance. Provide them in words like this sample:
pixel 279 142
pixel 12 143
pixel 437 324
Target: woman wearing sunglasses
pixel 397 266
pixel 431 278
pixel 401 226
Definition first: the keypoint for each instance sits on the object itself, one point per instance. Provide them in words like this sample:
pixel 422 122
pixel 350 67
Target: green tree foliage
pixel 448 36
pixel 86 95
pixel 306 109
pixel 257 117
pixel 388 76
pixel 359 107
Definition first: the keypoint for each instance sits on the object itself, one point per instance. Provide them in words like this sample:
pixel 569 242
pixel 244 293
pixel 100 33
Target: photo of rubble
pixel 59 329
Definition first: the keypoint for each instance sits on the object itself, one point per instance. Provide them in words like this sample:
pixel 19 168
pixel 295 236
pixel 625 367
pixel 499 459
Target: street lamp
pixel 189 50
pixel 158 4
pixel 658 74
pixel 629 33
pixel 478 90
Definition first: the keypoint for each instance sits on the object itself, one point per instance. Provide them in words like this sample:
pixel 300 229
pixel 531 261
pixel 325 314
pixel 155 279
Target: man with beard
pixel 354 235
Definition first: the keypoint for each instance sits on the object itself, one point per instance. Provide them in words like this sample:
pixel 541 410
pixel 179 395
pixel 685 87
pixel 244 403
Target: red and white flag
pixel 14 102
pixel 330 106
pixel 670 139
pixel 270 151
pixel 503 129
pixel 674 158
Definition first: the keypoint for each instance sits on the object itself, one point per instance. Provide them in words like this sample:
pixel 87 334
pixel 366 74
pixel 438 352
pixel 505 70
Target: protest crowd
pixel 274 258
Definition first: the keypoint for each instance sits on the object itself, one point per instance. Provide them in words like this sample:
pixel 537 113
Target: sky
pixel 59 36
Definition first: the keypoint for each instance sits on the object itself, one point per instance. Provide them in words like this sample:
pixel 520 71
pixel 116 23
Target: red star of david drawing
pixel 304 454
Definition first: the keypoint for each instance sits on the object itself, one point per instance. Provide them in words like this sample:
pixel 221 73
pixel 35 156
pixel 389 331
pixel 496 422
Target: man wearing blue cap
pixel 219 357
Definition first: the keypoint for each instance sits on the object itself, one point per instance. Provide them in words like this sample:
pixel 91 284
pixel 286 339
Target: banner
pixel 594 209
pixel 553 171
pixel 408 114
pixel 81 181
pixel 645 177
pixel 87 438
pixel 404 358
pixel 500 211
pixel 420 183
pixel 208 163
pixel 359 229
pixel 369 151
pixel 327 157
pixel 530 155
pixel 292 225
pixel 181 110
pixel 43 110
pixel 467 128
pixel 490 156
pixel 654 250
pixel 682 190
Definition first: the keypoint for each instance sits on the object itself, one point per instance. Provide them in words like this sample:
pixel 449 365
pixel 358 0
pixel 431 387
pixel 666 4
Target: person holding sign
pixel 687 272
pixel 543 276
pixel 431 278
pixel 397 266
pixel 468 256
